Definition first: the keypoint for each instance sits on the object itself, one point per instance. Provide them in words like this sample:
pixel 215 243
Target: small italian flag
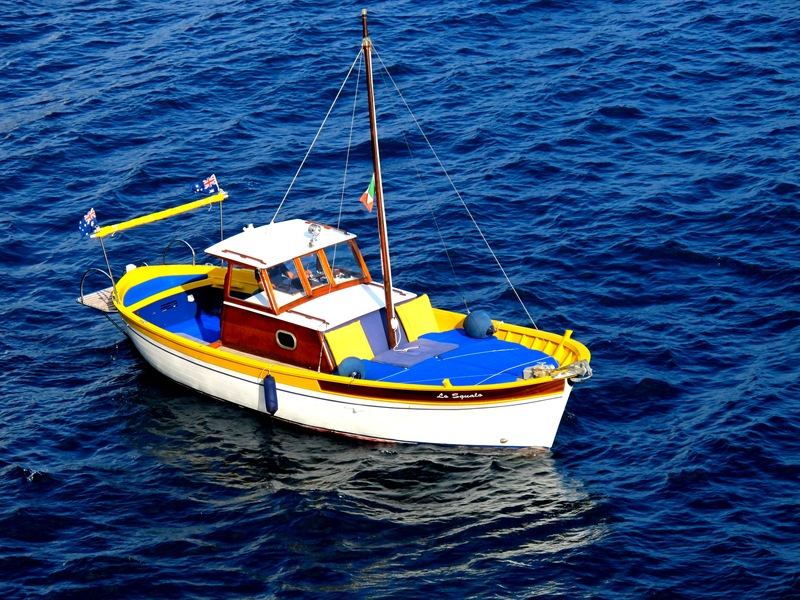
pixel 368 197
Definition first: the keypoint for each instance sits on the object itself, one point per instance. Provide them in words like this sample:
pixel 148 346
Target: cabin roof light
pixel 314 230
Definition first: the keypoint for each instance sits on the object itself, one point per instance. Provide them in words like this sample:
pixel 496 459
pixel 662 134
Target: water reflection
pixel 355 510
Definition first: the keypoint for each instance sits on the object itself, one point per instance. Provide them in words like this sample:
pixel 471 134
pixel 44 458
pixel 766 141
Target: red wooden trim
pixel 446 396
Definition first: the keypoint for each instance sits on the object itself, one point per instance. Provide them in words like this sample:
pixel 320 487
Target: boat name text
pixel 457 396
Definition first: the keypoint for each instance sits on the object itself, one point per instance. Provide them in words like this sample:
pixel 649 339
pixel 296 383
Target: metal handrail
pixel 86 274
pixel 188 245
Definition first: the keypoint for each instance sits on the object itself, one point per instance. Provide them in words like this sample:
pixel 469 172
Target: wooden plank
pixel 100 300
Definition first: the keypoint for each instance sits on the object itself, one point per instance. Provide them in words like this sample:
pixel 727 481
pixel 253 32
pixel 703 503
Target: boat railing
pixel 188 245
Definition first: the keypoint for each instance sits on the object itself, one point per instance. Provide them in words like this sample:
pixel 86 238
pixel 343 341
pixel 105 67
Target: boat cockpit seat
pixel 349 340
pixel 417 317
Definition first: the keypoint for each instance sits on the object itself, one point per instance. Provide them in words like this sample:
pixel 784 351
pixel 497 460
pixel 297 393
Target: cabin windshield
pixel 286 283
pixel 344 262
pixel 289 282
pixel 314 269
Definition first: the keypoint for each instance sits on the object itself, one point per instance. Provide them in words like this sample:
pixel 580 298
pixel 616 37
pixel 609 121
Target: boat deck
pixel 441 358
pixel 461 360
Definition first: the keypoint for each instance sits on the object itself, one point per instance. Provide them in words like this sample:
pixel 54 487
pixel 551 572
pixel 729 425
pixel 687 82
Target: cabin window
pixel 344 262
pixel 283 277
pixel 286 284
pixel 315 271
pixel 244 282
pixel 286 340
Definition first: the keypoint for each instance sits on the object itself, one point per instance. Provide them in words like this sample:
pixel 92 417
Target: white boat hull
pixel 525 422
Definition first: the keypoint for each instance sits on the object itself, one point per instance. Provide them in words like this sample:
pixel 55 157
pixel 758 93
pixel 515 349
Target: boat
pixel 292 324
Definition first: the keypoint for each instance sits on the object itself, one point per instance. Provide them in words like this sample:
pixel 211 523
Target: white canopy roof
pixel 268 245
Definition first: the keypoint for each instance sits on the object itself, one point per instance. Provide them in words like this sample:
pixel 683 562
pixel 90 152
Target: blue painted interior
pixel 156 285
pixel 198 318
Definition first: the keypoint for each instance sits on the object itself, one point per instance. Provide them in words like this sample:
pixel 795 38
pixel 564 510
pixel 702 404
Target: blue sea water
pixel 634 166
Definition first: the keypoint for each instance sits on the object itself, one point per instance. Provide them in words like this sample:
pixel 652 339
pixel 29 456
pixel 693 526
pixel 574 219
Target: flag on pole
pixel 207 186
pixel 368 197
pixel 88 223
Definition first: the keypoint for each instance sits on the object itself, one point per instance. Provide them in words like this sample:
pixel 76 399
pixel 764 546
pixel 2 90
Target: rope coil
pixel 575 372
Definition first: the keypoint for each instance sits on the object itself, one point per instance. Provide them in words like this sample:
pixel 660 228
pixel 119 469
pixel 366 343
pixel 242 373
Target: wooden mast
pixel 376 165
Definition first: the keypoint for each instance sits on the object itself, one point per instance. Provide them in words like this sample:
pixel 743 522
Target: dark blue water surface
pixel 634 166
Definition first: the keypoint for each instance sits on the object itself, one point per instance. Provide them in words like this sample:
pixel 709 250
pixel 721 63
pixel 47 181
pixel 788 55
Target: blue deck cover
pixel 471 362
pixel 204 327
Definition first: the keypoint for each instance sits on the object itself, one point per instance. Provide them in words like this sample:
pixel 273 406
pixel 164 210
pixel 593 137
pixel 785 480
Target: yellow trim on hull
pixel 561 347
pixel 362 390
pixel 310 380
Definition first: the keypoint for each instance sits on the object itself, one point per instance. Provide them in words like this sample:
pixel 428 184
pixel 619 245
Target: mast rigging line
pixel 350 138
pixel 360 61
pixel 316 137
pixel 385 71
pixel 455 189
pixel 421 181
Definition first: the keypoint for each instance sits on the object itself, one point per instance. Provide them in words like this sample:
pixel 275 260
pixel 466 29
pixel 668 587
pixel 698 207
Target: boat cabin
pixel 289 283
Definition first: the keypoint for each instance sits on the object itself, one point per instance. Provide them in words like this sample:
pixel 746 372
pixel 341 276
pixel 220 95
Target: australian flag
pixel 88 223
pixel 207 186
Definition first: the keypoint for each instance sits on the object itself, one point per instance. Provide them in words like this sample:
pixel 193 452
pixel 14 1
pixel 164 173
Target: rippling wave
pixel 634 168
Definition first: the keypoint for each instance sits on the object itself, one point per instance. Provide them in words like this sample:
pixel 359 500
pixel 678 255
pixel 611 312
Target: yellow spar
pixel 157 216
